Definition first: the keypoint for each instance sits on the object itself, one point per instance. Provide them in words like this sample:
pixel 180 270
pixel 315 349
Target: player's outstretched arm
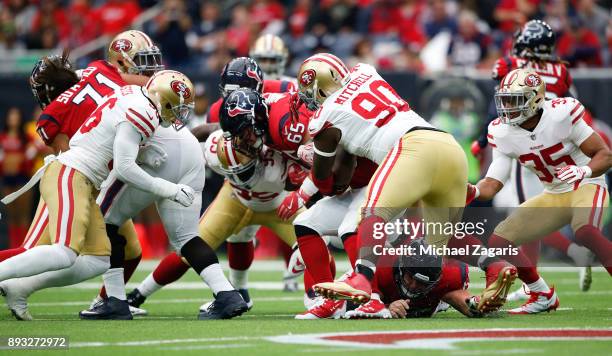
pixel 399 308
pixel 459 299
pixel 344 168
pixel 125 152
pixel 601 156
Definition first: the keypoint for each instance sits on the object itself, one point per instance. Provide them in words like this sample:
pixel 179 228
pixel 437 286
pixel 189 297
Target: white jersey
pixel 370 114
pixel 554 143
pixel 268 192
pixel 91 148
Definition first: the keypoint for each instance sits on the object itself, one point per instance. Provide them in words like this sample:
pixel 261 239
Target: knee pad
pixel 198 254
pixel 117 246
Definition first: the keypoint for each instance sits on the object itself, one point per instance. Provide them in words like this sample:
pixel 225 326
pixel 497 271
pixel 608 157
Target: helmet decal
pixel 121 45
pixel 181 89
pixel 308 77
pixel 533 80
pixel 253 74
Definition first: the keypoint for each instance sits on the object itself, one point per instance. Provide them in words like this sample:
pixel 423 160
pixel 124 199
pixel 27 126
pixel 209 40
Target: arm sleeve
pixel 500 167
pixel 125 151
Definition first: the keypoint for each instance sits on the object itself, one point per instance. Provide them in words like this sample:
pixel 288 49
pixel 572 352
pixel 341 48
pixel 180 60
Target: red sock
pixel 5 254
pixel 465 243
pixel 526 269
pixel 286 251
pixel 308 282
pixel 332 265
pixel 314 252
pixel 557 241
pixel 532 251
pixel 170 269
pixel 351 243
pixel 240 255
pixel 371 238
pixel 129 267
pixel 590 237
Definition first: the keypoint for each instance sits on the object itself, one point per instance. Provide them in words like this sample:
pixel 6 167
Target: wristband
pixel 588 172
pixel 321 153
pixel 308 187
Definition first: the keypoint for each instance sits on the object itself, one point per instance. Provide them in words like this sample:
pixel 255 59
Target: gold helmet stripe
pixel 230 154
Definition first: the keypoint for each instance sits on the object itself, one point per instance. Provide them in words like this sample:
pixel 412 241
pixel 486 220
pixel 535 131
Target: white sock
pixel 214 277
pixel 37 260
pixel 114 283
pixel 149 286
pixel 239 278
pixel 83 268
pixel 539 286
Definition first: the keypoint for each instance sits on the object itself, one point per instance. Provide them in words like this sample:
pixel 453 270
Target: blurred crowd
pixel 392 34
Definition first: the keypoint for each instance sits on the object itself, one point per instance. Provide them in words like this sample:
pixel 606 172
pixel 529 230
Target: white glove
pixel 152 155
pixel 184 195
pixel 571 174
pixel 296 265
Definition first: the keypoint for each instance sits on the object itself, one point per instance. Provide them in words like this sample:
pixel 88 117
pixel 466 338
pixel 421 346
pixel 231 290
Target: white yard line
pixel 160 342
pixel 167 301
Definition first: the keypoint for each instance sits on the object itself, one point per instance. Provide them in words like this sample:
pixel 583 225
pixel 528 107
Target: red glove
pixel 325 186
pixel 296 174
pixel 472 193
pixel 291 204
pixel 476 149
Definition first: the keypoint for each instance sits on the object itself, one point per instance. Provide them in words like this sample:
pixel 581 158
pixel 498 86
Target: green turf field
pixel 172 328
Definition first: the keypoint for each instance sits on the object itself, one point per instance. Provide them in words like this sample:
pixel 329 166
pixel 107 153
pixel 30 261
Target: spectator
pixel 240 31
pixel 362 53
pixel 469 46
pixel 200 106
pixel 23 15
pixel 8 32
pixel 83 24
pixel 16 154
pixel 512 14
pixel 385 17
pixel 264 12
pixel 338 15
pixel 579 45
pixel 298 18
pixel 204 35
pixel 439 19
pixel 169 30
pixel 116 15
pixel 49 18
pixel 594 17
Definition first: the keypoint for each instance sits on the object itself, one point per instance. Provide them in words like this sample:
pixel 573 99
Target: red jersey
pixel 70 109
pixel 269 86
pixel 454 277
pixel 287 122
pixel 555 74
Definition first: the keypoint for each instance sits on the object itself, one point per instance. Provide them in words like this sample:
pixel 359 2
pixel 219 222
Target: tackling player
pixel 362 113
pixel 552 140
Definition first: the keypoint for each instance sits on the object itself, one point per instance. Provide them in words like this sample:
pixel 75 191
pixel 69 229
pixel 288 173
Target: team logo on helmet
pixel 121 45
pixel 308 77
pixel 180 88
pixel 533 80
pixel 253 74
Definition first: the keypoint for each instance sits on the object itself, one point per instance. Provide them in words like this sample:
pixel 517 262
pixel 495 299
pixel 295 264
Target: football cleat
pixel 135 299
pixel 243 292
pixel 138 311
pixel 442 307
pixel 519 294
pixel 356 288
pixel 324 309
pixel 109 309
pixel 290 285
pixel 538 302
pixel 374 309
pixel 500 277
pixel 227 305
pixel 17 302
pixel 585 278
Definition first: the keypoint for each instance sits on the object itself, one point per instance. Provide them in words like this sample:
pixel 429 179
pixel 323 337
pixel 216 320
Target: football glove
pixel 296 266
pixel 472 193
pixel 476 149
pixel 472 304
pixel 571 174
pixel 151 155
pixel 295 200
pixel 306 153
pixel 296 174
pixel 184 195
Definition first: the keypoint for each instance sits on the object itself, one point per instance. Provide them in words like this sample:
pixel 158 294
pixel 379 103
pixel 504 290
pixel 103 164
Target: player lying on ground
pixel 551 139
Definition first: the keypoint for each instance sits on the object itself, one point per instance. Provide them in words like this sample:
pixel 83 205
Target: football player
pixel 120 202
pixel 534 48
pixel 256 179
pixel 69 183
pixel 360 112
pixel 132 58
pixel 271 54
pixel 552 140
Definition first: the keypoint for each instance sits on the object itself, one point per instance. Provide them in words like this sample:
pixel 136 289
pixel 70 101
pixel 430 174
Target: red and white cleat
pixel 325 309
pixel 356 288
pixel 374 309
pixel 538 302
pixel 500 277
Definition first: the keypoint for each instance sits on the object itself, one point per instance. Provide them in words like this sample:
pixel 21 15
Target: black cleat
pixel 247 298
pixel 110 309
pixel 135 299
pixel 226 305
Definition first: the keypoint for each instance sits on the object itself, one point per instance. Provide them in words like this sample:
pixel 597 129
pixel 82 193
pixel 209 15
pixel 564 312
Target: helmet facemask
pixel 177 116
pixel 145 62
pixel 308 97
pixel 514 108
